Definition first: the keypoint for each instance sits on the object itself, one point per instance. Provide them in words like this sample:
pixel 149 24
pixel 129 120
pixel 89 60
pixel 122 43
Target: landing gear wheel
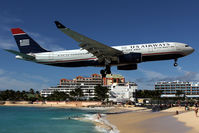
pixel 102 72
pixel 108 69
pixel 175 63
pixel 108 72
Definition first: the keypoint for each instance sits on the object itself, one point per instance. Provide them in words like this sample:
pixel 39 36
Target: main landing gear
pixel 105 71
pixel 175 62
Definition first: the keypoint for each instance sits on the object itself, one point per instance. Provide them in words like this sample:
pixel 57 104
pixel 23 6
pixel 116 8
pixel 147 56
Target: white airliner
pixel 94 53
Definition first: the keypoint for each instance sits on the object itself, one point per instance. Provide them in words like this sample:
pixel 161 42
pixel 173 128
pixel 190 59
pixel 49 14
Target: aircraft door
pixel 51 56
pixel 178 47
pixel 150 48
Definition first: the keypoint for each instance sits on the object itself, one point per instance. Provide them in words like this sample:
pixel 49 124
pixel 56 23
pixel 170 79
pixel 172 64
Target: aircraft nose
pixel 191 50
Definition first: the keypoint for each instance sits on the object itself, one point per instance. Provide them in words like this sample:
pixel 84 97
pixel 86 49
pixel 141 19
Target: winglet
pixel 59 25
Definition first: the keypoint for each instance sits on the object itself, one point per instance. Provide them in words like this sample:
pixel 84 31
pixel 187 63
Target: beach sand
pixel 190 120
pixel 159 122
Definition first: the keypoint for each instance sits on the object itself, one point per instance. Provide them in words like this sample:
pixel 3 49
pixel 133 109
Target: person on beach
pixel 196 111
pixel 177 112
pixel 98 116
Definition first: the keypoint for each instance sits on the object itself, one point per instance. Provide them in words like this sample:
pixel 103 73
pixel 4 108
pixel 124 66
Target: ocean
pixel 45 120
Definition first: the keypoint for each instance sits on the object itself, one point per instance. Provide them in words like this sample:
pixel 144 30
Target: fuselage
pixel 81 57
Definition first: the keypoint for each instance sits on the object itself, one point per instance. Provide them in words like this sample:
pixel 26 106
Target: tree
pixel 179 93
pixel 31 91
pixel 101 92
pixel 77 93
pixel 58 96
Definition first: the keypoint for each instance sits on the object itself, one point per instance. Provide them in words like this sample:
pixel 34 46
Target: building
pixel 122 92
pixel 113 78
pixel 87 84
pixel 119 90
pixel 169 89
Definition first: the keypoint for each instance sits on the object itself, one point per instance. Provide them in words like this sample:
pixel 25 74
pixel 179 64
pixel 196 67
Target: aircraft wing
pixel 100 50
pixel 25 56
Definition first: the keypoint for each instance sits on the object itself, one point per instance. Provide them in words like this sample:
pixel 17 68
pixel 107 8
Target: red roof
pixel 79 77
pixel 63 79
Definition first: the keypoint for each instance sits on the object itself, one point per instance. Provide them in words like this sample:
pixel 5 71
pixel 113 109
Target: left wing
pixel 101 51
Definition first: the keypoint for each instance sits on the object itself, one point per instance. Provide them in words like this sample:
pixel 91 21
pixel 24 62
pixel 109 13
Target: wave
pixel 102 125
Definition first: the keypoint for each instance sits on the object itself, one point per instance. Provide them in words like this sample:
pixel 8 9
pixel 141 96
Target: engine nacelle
pixel 127 67
pixel 130 58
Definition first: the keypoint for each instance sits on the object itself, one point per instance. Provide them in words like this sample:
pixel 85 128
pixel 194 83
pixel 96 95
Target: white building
pixel 169 89
pixel 119 90
pixel 122 92
pixel 87 84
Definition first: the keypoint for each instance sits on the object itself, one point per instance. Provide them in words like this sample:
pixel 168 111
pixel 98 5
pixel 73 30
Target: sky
pixel 108 21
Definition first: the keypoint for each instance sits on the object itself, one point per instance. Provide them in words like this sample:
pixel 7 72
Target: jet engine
pixel 127 67
pixel 130 58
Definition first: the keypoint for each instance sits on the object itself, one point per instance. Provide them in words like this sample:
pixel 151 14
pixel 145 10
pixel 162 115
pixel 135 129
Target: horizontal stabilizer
pixel 25 56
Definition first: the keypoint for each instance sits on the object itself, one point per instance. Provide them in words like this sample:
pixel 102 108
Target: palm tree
pixel 179 93
pixel 79 92
pixel 101 93
pixel 31 91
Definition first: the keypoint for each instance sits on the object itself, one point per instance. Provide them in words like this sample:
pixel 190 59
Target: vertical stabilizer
pixel 25 43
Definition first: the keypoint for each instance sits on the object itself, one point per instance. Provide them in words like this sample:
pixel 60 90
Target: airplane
pixel 94 53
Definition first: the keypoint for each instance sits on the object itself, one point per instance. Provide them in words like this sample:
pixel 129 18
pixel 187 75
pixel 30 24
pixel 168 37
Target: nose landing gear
pixel 175 62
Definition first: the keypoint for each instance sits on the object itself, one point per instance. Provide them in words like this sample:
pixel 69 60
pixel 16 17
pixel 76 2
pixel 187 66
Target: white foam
pixel 61 118
pixel 103 121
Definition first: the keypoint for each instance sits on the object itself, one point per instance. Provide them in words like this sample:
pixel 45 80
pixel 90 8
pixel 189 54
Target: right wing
pixel 101 51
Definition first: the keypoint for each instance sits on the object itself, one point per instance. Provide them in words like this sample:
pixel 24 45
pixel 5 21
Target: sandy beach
pixel 190 120
pixel 158 122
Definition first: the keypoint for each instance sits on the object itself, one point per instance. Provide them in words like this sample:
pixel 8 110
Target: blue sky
pixel 108 21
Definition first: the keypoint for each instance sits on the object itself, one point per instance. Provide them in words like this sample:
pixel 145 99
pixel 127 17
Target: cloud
pixel 6 43
pixel 2 71
pixel 151 77
pixel 7 19
pixel 152 74
pixel 45 42
pixel 35 77
pixel 11 80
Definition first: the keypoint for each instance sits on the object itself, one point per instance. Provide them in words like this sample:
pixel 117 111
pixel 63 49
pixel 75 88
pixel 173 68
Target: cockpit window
pixel 186 45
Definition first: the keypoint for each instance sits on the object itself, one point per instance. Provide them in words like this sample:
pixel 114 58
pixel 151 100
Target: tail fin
pixel 25 43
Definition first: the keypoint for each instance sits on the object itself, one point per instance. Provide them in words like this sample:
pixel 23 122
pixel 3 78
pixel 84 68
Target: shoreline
pixel 186 121
pixel 102 123
pixel 165 121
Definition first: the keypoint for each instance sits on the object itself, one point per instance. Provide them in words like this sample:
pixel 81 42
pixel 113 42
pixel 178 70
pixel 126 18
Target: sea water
pixel 44 120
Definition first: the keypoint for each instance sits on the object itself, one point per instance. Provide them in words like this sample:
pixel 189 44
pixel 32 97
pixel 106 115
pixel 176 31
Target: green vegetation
pixel 58 96
pixel 12 95
pixel 154 94
pixel 77 94
pixel 101 93
pixel 31 95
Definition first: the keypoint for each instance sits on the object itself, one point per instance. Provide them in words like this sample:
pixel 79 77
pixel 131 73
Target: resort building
pixel 122 92
pixel 87 84
pixel 169 89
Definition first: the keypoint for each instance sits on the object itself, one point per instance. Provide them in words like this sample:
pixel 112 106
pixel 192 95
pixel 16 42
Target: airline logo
pixel 24 42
